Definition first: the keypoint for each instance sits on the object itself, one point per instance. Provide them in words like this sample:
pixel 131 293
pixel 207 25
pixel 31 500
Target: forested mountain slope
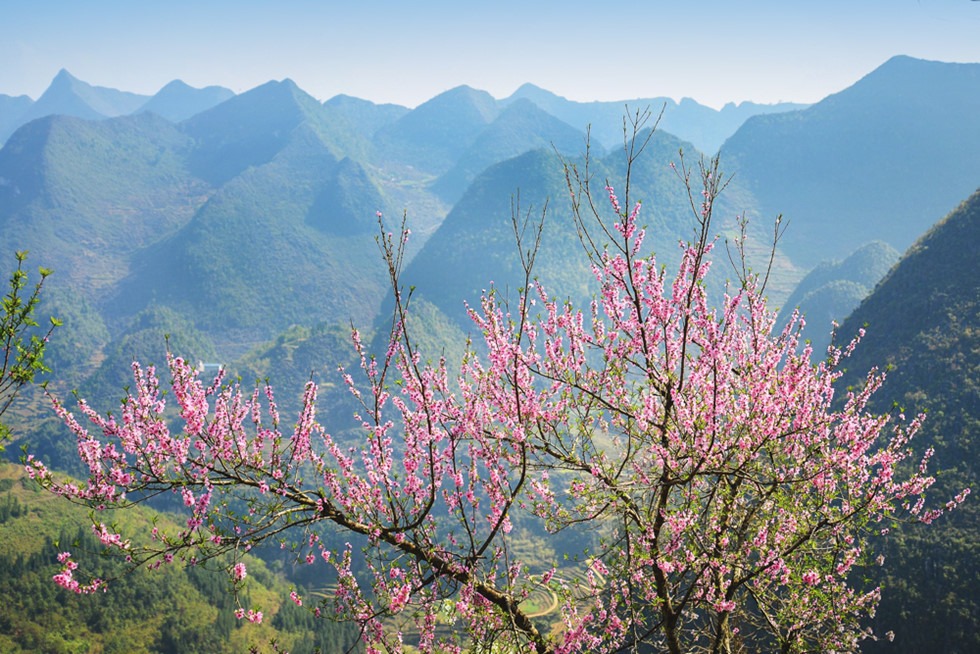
pixel 923 325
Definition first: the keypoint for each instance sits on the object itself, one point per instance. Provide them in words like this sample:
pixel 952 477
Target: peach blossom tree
pixel 728 494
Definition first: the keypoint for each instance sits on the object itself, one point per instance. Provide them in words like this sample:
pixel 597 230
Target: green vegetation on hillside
pixel 90 196
pixel 923 324
pixel 521 127
pixel 833 289
pixel 172 610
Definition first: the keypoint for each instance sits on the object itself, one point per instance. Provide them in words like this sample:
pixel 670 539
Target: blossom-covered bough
pixel 728 497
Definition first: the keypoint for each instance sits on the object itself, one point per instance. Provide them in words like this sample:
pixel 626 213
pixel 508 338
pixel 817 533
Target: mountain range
pixel 70 96
pixel 707 128
pixel 267 199
pixel 244 227
pixel 703 126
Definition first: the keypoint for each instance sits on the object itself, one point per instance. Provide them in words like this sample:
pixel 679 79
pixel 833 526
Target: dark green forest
pixel 923 329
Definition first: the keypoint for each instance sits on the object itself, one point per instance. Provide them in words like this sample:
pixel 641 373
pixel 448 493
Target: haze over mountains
pixel 707 128
pixel 243 225
pixel 69 96
pixel 223 206
pixel 856 165
pixel 206 201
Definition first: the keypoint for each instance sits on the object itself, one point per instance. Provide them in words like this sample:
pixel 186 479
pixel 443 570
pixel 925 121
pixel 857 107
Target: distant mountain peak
pixel 362 117
pixel 344 100
pixel 179 101
pixel 461 89
pixel 64 77
pixel 272 98
pixel 897 147
pixel 901 72
pixel 481 101
pixel 906 60
pixel 534 93
pixel 527 86
pixel 440 129
pixel 250 129
pixel 71 96
pixel 271 86
pixel 284 90
pixel 64 83
pixel 175 85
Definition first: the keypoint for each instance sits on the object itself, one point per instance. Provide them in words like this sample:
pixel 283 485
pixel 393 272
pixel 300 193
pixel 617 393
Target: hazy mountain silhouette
pixel 876 161
pixel 521 127
pixel 178 101
pixel 69 96
pixel 363 116
pixel 435 134
pixel 703 126
pixel 832 290
pixel 11 109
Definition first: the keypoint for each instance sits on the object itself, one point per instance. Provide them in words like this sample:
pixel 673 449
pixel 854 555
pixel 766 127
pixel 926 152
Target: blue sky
pixel 408 51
